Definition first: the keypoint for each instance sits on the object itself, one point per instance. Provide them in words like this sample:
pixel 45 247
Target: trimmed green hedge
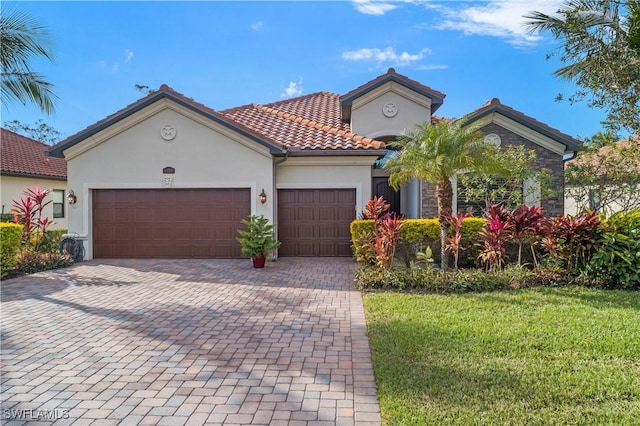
pixel 10 234
pixel 417 234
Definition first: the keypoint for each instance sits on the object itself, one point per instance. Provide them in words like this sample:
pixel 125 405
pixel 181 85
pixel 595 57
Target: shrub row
pixel 417 234
pixel 10 234
pixel 435 280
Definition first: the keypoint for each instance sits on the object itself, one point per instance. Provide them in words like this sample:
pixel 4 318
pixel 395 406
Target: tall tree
pixel 23 39
pixel 436 153
pixel 601 52
pixel 40 131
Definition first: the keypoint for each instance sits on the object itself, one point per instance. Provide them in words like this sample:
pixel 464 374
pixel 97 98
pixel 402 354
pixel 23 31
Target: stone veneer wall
pixel 544 158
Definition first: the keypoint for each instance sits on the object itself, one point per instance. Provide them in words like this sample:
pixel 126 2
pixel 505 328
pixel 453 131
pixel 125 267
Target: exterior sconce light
pixel 71 197
pixel 263 197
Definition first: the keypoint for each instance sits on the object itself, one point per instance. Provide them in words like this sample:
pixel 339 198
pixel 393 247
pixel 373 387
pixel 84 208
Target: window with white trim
pixel 58 203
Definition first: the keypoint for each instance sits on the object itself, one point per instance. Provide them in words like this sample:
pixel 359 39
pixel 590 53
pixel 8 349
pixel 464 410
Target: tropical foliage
pixel 600 50
pixel 258 239
pixel 436 153
pixel 24 40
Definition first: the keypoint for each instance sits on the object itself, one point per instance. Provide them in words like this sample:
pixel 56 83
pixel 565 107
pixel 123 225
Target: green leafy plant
pixel 30 262
pixel 259 238
pixel 616 264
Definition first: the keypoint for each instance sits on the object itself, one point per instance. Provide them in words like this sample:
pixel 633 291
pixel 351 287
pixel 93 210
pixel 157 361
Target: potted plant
pixel 258 240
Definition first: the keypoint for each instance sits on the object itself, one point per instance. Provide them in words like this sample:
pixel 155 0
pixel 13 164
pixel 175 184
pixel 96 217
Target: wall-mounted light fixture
pixel 263 197
pixel 71 197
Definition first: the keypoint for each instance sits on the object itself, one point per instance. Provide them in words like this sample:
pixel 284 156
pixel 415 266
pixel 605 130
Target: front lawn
pixel 543 356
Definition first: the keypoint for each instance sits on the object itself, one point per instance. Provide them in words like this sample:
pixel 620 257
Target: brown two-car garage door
pixel 168 223
pixel 315 222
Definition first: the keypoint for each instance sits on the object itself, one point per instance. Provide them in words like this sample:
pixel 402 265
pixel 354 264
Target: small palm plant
pixel 258 240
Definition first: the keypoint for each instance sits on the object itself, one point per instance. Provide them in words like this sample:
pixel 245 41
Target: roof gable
pixel 164 92
pixel 437 98
pixel 22 156
pixel 495 106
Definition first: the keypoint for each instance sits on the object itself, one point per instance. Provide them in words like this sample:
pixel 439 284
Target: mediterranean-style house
pixel 26 164
pixel 169 177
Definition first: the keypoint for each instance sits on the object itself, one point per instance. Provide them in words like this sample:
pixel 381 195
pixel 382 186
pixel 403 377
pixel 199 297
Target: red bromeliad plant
pixel 573 239
pixel 28 213
pixel 496 234
pixel 528 225
pixel 454 240
pixel 375 208
pixel 386 231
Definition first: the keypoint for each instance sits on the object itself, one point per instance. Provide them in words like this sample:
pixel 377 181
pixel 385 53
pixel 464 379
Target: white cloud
pixel 128 56
pixel 496 18
pixel 373 7
pixel 386 56
pixel 292 90
pixel 257 25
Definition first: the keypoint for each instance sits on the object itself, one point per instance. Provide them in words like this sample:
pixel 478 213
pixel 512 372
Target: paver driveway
pixel 188 342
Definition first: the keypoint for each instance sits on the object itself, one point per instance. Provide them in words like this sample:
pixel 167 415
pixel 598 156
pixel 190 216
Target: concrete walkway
pixel 174 342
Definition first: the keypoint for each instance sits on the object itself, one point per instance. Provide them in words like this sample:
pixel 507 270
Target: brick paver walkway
pixel 173 342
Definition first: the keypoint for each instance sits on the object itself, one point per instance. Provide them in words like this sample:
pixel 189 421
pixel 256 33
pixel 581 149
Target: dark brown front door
pixel 381 188
pixel 168 223
pixel 315 222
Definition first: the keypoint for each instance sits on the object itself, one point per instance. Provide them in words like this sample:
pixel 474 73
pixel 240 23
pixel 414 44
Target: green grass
pixel 544 356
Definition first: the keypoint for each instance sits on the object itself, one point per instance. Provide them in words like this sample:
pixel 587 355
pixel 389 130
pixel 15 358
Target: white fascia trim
pixel 394 87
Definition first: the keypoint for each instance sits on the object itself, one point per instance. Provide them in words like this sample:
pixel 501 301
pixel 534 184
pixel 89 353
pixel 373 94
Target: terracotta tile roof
pixel 494 105
pixel 595 158
pixel 26 157
pixel 310 122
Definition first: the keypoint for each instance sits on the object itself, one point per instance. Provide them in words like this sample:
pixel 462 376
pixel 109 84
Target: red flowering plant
pixel 455 222
pixel 496 233
pixel 528 227
pixel 28 212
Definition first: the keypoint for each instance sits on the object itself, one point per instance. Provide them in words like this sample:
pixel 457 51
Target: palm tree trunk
pixel 444 196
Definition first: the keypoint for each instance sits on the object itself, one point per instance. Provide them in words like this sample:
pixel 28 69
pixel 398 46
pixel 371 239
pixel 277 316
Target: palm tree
pixel 436 153
pixel 23 39
pixel 601 52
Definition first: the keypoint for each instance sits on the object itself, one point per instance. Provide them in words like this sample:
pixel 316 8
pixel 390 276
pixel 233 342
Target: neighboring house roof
pixel 437 98
pixel 494 105
pixel 596 158
pixel 22 156
pixel 305 125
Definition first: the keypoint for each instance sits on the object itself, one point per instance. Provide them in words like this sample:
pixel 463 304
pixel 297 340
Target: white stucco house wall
pixel 169 177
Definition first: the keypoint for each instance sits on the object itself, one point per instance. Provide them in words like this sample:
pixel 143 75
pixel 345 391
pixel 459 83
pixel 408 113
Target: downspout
pixel 276 163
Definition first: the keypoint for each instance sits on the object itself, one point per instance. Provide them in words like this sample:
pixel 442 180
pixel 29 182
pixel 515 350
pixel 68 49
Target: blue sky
pixel 226 54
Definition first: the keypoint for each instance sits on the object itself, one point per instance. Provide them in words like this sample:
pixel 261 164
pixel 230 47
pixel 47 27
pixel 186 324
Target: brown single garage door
pixel 168 223
pixel 315 222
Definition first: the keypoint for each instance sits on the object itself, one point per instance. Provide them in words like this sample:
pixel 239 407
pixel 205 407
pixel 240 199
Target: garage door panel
pixel 167 223
pixel 315 222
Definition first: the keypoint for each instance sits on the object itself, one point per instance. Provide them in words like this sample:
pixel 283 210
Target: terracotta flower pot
pixel 258 261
